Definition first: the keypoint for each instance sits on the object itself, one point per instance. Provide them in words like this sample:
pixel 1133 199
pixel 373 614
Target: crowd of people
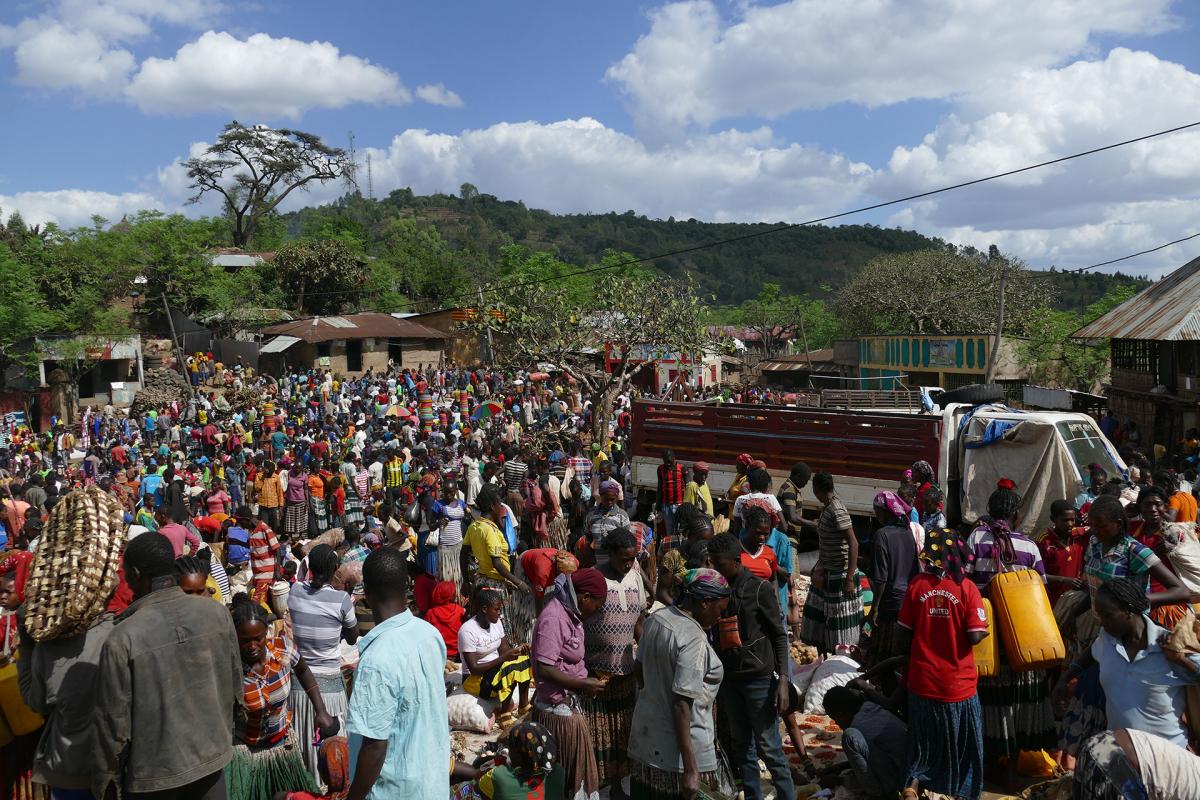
pixel 304 569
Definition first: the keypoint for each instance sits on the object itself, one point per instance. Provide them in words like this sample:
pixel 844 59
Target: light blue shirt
pixel 400 695
pixel 1145 694
pixel 782 545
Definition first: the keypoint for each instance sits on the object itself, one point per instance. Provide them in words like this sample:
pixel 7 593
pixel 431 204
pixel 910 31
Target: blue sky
pixel 708 109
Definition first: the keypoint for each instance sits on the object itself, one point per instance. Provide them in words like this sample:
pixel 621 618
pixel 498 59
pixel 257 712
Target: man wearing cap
pixel 697 492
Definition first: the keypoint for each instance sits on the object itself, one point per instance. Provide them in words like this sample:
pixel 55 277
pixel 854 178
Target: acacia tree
pixel 941 292
pixel 776 316
pixel 255 168
pixel 630 318
pixel 302 267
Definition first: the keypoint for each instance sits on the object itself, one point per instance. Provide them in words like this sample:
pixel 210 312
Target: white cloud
pixel 73 207
pixel 56 58
pixel 439 95
pixel 695 67
pixel 1080 212
pixel 261 76
pixel 125 20
pixel 579 165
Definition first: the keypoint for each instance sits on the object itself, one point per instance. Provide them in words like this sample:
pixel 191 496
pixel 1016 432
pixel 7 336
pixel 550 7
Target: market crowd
pixel 316 576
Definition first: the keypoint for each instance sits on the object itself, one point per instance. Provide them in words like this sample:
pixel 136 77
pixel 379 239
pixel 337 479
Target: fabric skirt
pixel 304 721
pixel 1017 713
pixel 320 514
pixel 575 753
pixel 1103 772
pixel 559 533
pixel 945 746
pixel 832 618
pixel 295 518
pixel 354 508
pixel 887 639
pixel 255 774
pixel 651 783
pixel 610 717
pixel 449 563
pixel 499 682
pixel 1086 714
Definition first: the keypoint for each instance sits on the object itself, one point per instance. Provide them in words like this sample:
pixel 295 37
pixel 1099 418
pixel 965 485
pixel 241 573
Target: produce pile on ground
pixel 160 387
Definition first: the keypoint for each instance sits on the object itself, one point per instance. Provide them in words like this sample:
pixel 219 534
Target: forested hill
pixel 813 260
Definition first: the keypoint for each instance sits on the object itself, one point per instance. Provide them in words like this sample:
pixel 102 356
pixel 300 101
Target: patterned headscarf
pixel 922 473
pixel 705 584
pixel 946 554
pixel 532 751
pixel 890 501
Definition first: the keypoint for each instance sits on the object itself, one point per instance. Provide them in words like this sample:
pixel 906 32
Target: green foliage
pixel 254 168
pixel 637 317
pixel 318 277
pixel 23 312
pixel 942 291
pixel 1053 358
pixel 776 316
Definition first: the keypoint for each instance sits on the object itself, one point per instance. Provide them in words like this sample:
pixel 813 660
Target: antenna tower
pixel 370 183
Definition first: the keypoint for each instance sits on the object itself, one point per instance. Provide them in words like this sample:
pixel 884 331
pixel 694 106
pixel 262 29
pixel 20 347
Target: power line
pixel 817 220
pixel 1132 255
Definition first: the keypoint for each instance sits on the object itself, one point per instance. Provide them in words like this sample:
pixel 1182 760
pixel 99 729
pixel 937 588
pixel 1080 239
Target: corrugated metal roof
pixel 354 326
pixel 278 344
pixel 1166 311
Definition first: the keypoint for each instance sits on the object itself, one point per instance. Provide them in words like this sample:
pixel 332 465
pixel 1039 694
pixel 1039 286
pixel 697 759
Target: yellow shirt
pixel 487 542
pixel 699 496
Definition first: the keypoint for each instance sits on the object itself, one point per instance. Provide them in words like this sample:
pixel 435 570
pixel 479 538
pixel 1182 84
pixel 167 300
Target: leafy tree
pixel 320 277
pixel 24 313
pixel 1053 358
pixel 942 292
pixel 631 318
pixel 254 169
pixel 776 316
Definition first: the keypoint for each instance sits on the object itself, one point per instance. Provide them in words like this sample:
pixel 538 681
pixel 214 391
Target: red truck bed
pixel 855 443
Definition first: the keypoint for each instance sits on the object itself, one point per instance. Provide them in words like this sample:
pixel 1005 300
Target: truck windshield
pixel 1087 447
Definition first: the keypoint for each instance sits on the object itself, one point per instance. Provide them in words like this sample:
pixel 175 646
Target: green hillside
pixel 813 260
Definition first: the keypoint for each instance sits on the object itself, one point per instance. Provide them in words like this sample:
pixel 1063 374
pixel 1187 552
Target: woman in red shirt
pixel 945 614
pixel 757 556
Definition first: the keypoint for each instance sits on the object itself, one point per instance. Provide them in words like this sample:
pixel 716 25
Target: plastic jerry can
pixel 987 652
pixel 1026 621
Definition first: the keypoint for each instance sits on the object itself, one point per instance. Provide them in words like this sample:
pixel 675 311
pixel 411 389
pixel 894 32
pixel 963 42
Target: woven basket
pixel 76 565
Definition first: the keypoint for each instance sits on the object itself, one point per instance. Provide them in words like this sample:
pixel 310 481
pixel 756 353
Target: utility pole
pixel 994 253
pixel 487 326
pixel 178 347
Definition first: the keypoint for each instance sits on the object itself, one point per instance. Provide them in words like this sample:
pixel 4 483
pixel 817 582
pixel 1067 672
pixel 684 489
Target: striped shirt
pixel 318 618
pixel 831 540
pixel 987 556
pixel 453 512
pixel 670 479
pixel 514 473
pixel 263 547
pixel 393 477
pixel 262 717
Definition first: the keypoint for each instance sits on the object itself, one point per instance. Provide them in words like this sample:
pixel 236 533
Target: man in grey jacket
pixel 172 736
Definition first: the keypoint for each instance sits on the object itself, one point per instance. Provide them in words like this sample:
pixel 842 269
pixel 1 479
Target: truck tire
pixel 973 395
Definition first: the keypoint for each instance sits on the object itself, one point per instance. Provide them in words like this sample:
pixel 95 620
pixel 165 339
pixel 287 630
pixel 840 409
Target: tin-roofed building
pixel 1154 341
pixel 351 344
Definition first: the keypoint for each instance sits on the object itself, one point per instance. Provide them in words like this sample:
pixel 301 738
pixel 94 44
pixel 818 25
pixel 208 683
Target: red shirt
pixel 671 479
pixel 1064 560
pixel 939 612
pixel 762 565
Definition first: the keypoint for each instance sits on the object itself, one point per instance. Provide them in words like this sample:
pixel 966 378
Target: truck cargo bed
pixel 878 446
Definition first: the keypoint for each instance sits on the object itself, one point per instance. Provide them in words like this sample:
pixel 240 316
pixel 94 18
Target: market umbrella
pixel 487 408
pixel 398 411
